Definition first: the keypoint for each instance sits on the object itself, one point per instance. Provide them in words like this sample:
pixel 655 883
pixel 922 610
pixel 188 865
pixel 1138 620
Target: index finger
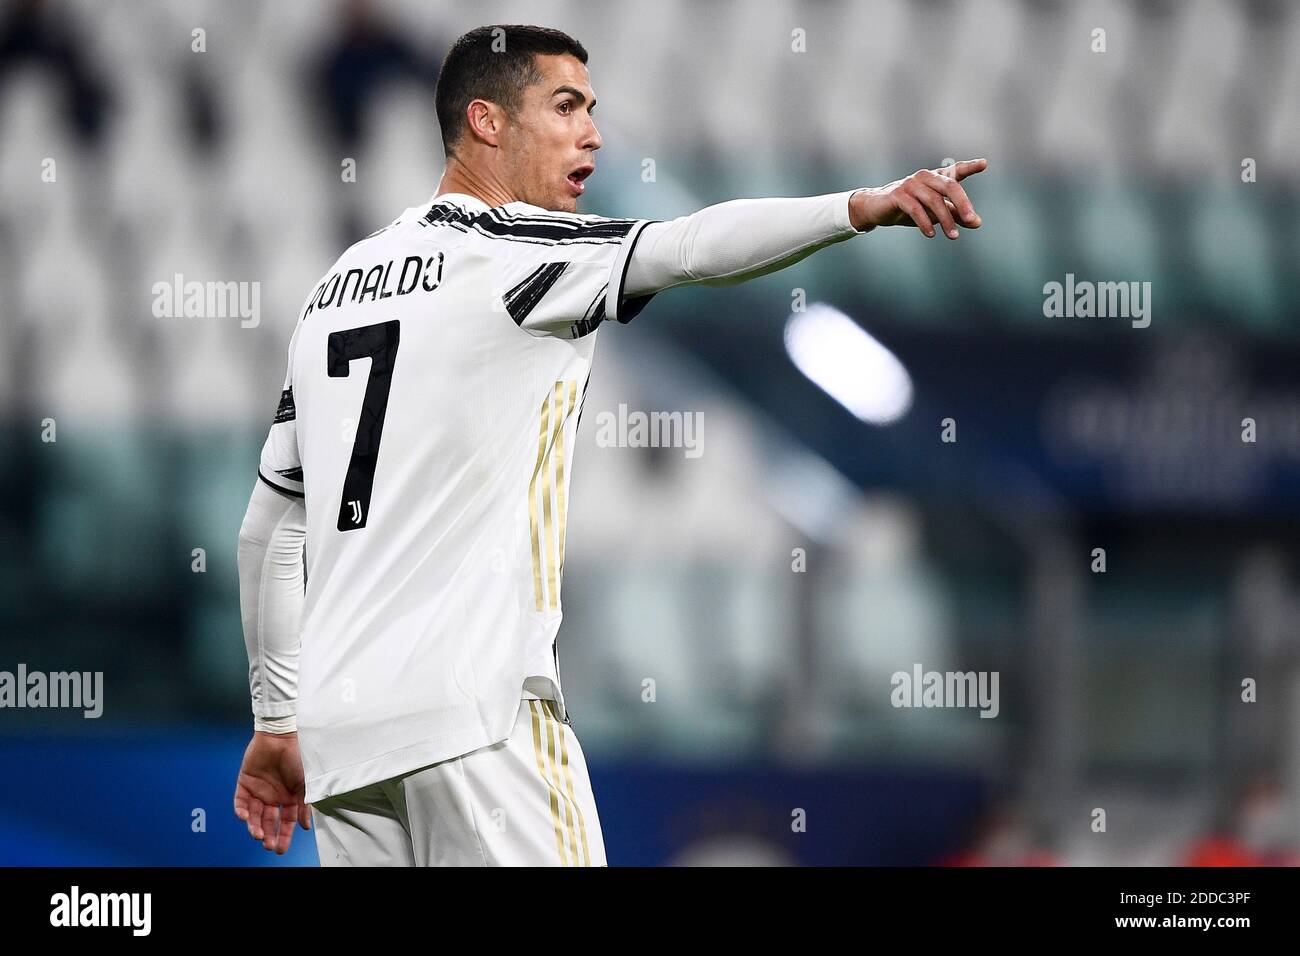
pixel 967 167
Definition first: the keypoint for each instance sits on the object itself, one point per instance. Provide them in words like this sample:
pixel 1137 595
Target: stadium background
pixel 1119 690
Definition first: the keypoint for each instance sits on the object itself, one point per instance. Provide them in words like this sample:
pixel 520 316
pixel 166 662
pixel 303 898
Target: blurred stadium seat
pixel 227 166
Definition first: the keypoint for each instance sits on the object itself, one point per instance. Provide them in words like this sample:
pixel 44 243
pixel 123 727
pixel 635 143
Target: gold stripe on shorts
pixel 555 776
pixel 568 782
pixel 555 806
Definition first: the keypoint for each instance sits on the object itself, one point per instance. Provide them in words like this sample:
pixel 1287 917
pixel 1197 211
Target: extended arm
pixel 735 241
pixel 746 238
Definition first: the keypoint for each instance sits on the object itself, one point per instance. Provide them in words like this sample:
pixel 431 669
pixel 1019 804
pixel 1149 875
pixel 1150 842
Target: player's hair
pixel 494 63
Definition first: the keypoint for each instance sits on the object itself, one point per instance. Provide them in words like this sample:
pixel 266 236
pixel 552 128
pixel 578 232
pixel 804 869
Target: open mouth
pixel 578 176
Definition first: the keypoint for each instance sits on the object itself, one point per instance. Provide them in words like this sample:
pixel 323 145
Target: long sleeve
pixel 271 581
pixel 735 241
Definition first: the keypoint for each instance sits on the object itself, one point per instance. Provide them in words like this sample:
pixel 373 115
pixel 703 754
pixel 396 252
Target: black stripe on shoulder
pixel 572 221
pixel 280 488
pixel 554 231
pixel 524 297
pixel 538 229
pixel 443 212
pixel 511 236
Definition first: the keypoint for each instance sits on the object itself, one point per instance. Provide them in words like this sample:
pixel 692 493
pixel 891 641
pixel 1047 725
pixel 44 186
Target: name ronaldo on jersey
pixel 416 273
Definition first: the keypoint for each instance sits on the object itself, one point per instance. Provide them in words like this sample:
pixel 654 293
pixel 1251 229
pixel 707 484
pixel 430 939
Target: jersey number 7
pixel 379 344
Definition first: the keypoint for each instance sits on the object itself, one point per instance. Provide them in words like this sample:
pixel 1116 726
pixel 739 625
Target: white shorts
pixel 525 801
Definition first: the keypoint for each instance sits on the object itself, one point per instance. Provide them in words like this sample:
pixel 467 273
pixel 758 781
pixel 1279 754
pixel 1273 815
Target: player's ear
pixel 485 120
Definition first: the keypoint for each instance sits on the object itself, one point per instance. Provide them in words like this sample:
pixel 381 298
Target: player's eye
pixel 565 107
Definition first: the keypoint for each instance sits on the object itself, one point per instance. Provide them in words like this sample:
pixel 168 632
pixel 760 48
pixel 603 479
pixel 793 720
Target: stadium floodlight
pixel 848 364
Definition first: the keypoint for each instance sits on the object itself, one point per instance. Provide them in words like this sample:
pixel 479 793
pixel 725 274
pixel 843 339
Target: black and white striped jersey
pixel 428 417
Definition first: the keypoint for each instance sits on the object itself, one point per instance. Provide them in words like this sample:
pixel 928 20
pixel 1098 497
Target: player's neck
pixel 459 178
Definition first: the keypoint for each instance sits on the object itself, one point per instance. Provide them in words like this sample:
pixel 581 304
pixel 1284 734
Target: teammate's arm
pixel 746 238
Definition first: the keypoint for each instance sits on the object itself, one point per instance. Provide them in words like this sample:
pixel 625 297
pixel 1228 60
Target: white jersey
pixel 429 416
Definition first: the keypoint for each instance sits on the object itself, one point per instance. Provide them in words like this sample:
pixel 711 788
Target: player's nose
pixel 591 137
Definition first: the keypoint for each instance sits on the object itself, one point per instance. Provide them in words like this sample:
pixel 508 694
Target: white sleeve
pixel 271 581
pixel 735 241
pixel 280 465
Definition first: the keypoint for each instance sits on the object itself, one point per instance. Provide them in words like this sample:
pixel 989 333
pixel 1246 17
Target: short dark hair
pixel 474 70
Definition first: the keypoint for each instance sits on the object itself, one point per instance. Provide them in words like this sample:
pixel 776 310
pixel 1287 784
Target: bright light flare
pixel 846 363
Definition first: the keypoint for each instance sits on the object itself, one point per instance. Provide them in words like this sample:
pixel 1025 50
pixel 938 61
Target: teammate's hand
pixel 270 790
pixel 924 198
